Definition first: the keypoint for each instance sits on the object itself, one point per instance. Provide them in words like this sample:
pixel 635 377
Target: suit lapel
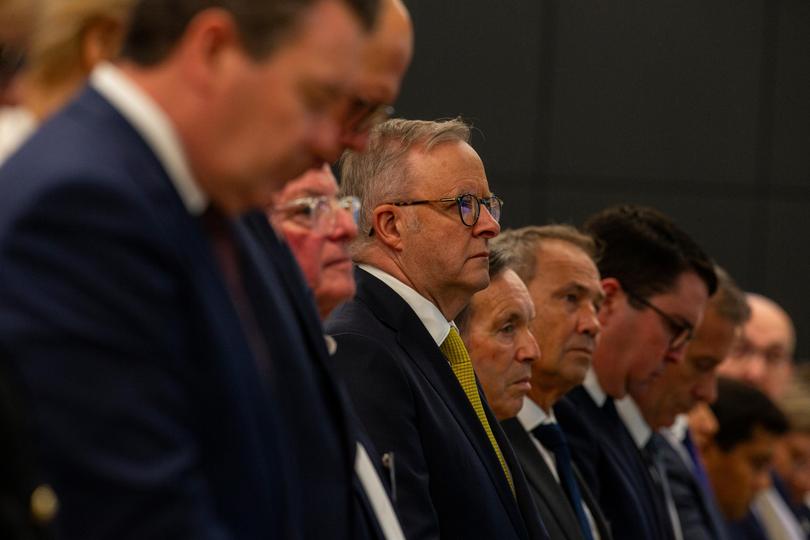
pixel 675 463
pixel 415 340
pixel 539 475
pixel 587 497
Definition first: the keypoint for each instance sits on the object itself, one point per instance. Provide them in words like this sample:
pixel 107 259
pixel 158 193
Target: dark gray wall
pixel 700 108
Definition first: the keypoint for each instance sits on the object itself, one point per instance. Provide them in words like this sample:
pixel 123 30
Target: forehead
pixel 325 44
pixel 758 447
pixel 451 167
pixel 505 293
pixel 687 298
pixel 313 183
pixel 559 262
pixel 768 325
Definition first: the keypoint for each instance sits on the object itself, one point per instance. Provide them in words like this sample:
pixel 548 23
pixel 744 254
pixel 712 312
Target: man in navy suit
pixel 656 282
pixel 682 386
pixel 556 263
pixel 427 214
pixel 173 394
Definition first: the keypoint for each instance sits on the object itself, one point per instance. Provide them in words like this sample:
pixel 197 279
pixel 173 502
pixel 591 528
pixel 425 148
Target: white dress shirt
pixel 16 124
pixel 437 326
pixel 777 519
pixel 594 389
pixel 156 128
pixel 641 433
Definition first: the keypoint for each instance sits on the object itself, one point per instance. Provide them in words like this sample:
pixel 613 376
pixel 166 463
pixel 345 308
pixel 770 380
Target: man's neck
pixel 449 305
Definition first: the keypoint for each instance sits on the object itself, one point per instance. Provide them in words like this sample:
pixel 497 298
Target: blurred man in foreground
pixel 131 296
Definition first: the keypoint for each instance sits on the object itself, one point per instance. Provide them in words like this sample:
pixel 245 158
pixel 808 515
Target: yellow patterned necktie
pixel 455 351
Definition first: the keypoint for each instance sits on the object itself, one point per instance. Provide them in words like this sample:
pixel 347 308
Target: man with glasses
pixel 680 387
pixel 656 281
pixel 308 213
pixel 427 215
pixel 174 394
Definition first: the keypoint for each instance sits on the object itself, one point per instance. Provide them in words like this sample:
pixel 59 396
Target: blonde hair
pixel 56 48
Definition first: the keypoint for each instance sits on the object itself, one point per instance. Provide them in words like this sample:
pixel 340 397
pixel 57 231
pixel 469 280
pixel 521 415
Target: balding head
pixel 386 56
pixel 764 354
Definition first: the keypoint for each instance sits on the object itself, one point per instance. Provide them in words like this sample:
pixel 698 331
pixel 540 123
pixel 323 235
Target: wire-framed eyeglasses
pixel 319 213
pixel 682 332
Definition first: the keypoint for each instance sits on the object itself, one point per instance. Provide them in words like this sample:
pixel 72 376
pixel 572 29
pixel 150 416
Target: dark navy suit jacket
pixel 612 467
pixel 153 420
pixel 449 481
pixel 551 501
pixel 697 510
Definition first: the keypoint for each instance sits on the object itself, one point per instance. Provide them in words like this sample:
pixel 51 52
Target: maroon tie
pixel 226 252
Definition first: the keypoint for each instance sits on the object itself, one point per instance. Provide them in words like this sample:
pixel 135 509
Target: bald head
pixel 764 354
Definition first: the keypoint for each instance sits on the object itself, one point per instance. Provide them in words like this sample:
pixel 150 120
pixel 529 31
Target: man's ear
pixel 210 47
pixel 387 225
pixel 613 295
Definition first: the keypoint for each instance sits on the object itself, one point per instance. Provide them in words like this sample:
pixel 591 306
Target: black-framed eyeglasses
pixel 682 332
pixel 365 115
pixel 469 207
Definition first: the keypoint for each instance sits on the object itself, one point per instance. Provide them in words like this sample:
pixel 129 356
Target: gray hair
pixel 729 301
pixel 380 173
pixel 519 246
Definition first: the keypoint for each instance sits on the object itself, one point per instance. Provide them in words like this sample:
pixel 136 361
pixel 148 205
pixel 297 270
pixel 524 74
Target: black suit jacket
pixel 152 417
pixel 748 528
pixel 552 503
pixel 325 399
pixel 449 481
pixel 697 511
pixel 613 468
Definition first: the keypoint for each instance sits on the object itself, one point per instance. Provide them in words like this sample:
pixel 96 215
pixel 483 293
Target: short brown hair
pixel 157 25
pixel 519 246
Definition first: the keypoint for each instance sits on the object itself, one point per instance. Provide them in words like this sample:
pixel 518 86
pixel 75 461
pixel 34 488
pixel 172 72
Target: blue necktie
pixel 699 470
pixel 551 436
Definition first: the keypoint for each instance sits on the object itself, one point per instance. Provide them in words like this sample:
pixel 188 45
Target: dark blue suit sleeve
pixel 89 314
pixel 384 402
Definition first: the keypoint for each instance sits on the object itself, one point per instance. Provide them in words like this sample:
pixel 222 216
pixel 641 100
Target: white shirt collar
pixel 532 415
pixel 679 427
pixel 437 326
pixel 634 421
pixel 594 389
pixel 154 126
